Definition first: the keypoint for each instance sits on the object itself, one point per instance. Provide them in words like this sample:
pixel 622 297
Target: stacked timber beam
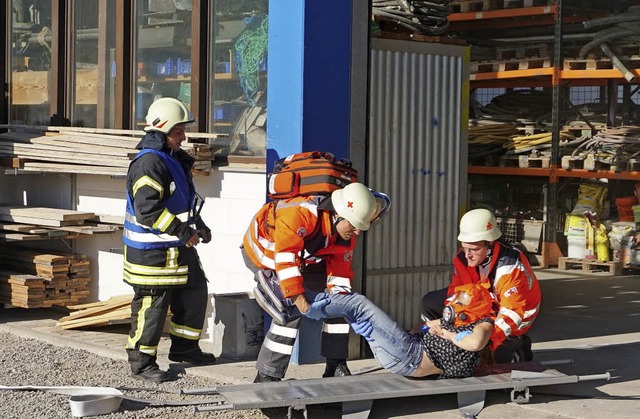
pixel 31 278
pixel 19 223
pixel 82 150
pixel 103 313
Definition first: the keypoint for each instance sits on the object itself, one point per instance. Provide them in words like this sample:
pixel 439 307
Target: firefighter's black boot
pixel 193 356
pixel 336 368
pixel 144 367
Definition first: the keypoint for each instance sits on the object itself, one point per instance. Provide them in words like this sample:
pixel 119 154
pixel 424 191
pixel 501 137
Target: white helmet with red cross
pixel 478 225
pixel 359 205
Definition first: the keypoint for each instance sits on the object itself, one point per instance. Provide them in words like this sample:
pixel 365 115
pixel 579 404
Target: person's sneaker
pixel 339 369
pixel 153 374
pixel 264 378
pixel 270 298
pixel 194 356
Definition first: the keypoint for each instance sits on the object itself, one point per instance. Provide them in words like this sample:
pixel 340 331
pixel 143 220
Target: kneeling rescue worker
pixel 302 243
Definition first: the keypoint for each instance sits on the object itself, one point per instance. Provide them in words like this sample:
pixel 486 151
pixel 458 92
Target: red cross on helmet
pixel 478 225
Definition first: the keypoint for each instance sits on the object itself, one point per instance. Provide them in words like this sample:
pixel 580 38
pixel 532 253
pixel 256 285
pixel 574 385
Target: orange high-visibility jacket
pixel 297 233
pixel 514 284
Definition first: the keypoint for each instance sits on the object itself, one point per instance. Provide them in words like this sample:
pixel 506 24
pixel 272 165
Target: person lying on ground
pixel 449 347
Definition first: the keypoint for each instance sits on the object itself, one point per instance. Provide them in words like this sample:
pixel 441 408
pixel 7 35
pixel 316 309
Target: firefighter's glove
pixel 315 311
pixel 204 232
pixel 364 329
pixel 205 235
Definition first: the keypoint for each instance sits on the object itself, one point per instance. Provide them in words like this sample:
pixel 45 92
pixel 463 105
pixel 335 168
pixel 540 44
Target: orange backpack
pixel 309 173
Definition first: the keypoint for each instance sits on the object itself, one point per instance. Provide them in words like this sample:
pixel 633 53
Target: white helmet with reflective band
pixel 165 113
pixel 478 225
pixel 359 205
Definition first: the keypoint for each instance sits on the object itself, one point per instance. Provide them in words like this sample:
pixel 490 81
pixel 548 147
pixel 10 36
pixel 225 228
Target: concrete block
pixel 237 329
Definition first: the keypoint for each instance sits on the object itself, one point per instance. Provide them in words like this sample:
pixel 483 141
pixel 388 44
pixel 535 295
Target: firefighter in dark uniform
pixel 162 227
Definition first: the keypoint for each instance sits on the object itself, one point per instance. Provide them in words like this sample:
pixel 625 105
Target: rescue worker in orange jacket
pixel 507 273
pixel 308 242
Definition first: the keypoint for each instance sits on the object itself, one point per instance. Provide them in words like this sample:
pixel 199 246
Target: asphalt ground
pixel 588 322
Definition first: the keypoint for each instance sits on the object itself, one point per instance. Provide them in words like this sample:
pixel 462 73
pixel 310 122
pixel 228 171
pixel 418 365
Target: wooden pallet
pixel 530 161
pixel 514 4
pixel 590 163
pixel 538 50
pixel 524 64
pixel 589 266
pixel 464 6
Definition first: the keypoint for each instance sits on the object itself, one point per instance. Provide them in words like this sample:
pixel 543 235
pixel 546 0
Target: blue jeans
pixel 395 349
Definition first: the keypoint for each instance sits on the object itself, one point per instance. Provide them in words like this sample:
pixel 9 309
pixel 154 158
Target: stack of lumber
pixel 19 223
pixel 103 313
pixel 32 278
pixel 82 150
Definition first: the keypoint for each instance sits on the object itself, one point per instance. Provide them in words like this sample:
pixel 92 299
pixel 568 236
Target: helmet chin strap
pixel 487 259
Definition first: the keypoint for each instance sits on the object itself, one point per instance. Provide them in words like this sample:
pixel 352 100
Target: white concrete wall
pixel 232 197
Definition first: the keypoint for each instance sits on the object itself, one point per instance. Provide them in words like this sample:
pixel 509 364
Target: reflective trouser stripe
pixel 280 348
pixel 335 339
pixel 277 347
pixel 185 332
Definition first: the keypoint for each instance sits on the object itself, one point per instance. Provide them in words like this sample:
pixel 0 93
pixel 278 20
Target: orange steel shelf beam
pixel 536 171
pixel 510 18
pixel 582 75
pixel 502 13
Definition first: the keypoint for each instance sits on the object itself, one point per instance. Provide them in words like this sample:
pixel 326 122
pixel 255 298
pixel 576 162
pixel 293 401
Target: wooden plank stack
pixel 19 223
pixel 32 278
pixel 84 150
pixel 102 313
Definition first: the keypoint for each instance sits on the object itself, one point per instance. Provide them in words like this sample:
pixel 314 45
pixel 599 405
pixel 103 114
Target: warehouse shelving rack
pixel 556 77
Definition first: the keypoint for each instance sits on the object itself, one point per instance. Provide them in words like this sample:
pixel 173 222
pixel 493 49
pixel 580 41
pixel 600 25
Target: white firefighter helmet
pixel 165 113
pixel 478 225
pixel 359 205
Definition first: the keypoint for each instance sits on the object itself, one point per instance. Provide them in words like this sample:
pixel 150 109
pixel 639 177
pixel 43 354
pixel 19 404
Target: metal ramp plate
pixel 298 394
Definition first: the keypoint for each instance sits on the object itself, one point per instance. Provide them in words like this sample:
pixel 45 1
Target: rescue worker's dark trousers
pixel 149 311
pixel 275 353
pixel 432 306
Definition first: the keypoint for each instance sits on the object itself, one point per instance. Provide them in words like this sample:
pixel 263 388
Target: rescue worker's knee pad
pixel 270 298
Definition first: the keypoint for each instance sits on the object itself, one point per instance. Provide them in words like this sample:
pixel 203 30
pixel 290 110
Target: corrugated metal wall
pixel 417 154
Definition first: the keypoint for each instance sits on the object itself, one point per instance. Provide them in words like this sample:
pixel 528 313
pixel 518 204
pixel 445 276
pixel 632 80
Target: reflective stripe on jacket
pixel 178 205
pixel 514 285
pixel 297 233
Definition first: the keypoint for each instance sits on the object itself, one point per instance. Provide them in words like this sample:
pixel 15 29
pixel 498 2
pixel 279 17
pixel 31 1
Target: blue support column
pixel 308 97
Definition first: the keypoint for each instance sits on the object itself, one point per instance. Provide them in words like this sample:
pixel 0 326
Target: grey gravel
pixel 27 362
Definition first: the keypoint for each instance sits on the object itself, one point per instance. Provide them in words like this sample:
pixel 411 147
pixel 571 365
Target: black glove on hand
pixel 205 235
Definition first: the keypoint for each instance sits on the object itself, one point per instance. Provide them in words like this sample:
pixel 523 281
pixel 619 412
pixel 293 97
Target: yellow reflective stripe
pixel 288 273
pixel 172 257
pixel 158 280
pixel 149 350
pixel 185 332
pixel 147 181
pixel 133 340
pixel 164 220
pixel 156 270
